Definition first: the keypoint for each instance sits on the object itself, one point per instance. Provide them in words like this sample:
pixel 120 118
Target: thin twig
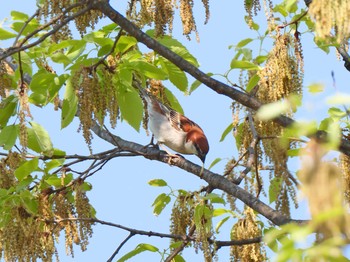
pixel 131 234
pixel 12 50
pixel 25 25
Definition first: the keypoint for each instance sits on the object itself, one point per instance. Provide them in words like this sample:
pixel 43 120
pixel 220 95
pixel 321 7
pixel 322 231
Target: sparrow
pixel 173 129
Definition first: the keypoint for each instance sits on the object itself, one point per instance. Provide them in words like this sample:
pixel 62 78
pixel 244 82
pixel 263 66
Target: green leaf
pixel 176 76
pixel 54 180
pixel 130 105
pixel 243 42
pixel 148 69
pixel 238 134
pixel 339 99
pixel 336 113
pixel 61 58
pixel 316 88
pixel 197 83
pixel 160 203
pixel 227 130
pixel 8 136
pixel 38 139
pixel 125 43
pixel 220 223
pixel 325 123
pixel 260 59
pixel 178 258
pixel 173 101
pixel 216 160
pixel 4 34
pixel 53 163
pixel 41 81
pixel 215 198
pixel 221 211
pixel 252 82
pixel 30 203
pixel 175 46
pixel 139 249
pixel 157 182
pixel 272 110
pixel 7 109
pixel 16 15
pixel 25 28
pixel 26 168
pixel 275 187
pixel 241 64
pixel 293 152
pixel 69 105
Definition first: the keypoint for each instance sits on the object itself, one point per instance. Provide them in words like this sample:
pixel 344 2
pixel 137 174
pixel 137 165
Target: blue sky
pixel 120 191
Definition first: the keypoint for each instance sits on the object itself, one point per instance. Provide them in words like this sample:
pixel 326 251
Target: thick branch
pixel 214 180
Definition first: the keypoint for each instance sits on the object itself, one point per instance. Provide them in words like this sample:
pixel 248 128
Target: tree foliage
pixel 93 77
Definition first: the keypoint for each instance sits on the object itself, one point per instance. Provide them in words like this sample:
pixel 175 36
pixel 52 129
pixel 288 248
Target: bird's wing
pixel 180 122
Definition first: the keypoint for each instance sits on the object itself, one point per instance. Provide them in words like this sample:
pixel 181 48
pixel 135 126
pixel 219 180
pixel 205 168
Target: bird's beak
pixel 202 157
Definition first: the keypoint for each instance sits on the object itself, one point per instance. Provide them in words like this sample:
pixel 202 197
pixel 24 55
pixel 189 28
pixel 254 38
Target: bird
pixel 174 130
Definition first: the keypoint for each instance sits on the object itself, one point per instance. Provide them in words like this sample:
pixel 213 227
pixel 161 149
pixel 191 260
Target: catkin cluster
pixel 331 19
pixel 161 13
pixel 247 228
pixel 63 9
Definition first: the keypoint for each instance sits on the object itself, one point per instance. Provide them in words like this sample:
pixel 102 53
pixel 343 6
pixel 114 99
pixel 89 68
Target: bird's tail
pixel 143 92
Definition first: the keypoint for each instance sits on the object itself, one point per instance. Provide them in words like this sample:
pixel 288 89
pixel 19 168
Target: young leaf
pixel 160 203
pixel 8 136
pixel 215 198
pixel 220 223
pixel 4 34
pixel 173 101
pixel 243 42
pixel 148 69
pixel 339 99
pixel 26 168
pixel 19 16
pixel 272 110
pixel 7 109
pixel 139 249
pixel 316 88
pixel 196 84
pixel 252 82
pixel 69 105
pixel 227 130
pixel 130 105
pixel 31 205
pixel 176 76
pixel 241 64
pixel 275 186
pixel 39 139
pixel 216 160
pixel 157 182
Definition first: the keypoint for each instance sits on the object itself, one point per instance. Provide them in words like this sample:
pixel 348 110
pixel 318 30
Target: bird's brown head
pixel 200 142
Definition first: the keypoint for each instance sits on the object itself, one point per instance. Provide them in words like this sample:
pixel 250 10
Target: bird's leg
pixel 171 155
pixel 152 144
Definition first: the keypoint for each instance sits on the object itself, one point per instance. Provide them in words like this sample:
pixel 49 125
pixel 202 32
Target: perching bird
pixel 173 129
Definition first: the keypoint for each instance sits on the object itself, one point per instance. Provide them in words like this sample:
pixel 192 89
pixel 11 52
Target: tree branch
pixel 215 85
pixel 216 181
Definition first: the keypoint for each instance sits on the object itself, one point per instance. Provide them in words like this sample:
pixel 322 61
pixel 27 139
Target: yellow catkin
pixel 161 13
pixel 331 18
pixel 54 8
pixel 320 184
pixel 247 228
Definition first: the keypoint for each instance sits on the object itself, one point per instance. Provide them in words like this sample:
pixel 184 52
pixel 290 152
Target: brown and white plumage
pixel 174 129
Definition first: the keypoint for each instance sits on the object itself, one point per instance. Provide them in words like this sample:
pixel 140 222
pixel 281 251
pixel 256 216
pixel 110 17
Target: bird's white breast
pixel 166 134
